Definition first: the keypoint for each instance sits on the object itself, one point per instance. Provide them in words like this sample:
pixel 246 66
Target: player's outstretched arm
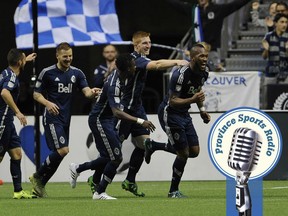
pixel 91 93
pixel 163 64
pixel 31 57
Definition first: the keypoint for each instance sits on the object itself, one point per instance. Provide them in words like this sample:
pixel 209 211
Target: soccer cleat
pixel 93 186
pixel 102 196
pixel 132 187
pixel 73 174
pixel 23 195
pixel 148 150
pixel 38 187
pixel 176 194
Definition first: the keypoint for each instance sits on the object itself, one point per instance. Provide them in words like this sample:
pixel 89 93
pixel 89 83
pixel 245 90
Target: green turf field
pixel 205 198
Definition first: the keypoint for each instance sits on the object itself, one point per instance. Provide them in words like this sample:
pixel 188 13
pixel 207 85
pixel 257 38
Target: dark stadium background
pixel 155 16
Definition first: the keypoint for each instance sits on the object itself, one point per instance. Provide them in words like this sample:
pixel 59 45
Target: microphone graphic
pixel 243 157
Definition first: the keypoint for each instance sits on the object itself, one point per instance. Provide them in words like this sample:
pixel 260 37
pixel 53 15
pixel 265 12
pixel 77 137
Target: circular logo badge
pixel 62 140
pixel 245 139
pixel 73 79
pixel 281 102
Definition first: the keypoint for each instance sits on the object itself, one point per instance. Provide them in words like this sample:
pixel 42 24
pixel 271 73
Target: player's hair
pixel 196 49
pixel 112 46
pixel 137 36
pixel 124 61
pixel 206 45
pixel 63 46
pixel 13 56
pixel 271 3
pixel 282 3
pixel 278 16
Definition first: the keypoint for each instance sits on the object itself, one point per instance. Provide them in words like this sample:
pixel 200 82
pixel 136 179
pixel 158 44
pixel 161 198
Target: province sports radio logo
pixel 245 139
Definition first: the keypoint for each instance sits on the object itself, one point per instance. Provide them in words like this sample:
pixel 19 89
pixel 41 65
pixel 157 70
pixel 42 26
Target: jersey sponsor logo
pixel 192 90
pixel 65 89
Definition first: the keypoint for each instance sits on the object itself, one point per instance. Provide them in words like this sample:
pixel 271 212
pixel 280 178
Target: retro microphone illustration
pixel 243 157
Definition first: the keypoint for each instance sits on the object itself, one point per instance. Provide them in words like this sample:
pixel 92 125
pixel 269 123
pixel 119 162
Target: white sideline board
pixel 159 169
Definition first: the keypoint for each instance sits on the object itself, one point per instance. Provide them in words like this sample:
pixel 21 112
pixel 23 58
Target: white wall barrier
pixel 227 90
pixel 200 168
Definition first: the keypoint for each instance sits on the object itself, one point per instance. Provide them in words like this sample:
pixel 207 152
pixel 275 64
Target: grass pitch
pixel 205 198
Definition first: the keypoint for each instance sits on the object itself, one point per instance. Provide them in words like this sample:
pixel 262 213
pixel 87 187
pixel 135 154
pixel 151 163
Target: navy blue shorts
pixel 57 135
pixel 106 137
pixel 126 127
pixel 179 128
pixel 9 139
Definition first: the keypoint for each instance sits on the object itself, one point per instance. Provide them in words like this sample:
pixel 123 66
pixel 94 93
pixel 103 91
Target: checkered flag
pixel 78 22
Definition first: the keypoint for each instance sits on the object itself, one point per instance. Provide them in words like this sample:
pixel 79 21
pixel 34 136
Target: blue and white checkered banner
pixel 78 22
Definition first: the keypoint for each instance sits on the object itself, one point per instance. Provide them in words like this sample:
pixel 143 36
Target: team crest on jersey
pixel 211 15
pixel 178 87
pixel 62 140
pixel 176 136
pixel 117 151
pixel 73 79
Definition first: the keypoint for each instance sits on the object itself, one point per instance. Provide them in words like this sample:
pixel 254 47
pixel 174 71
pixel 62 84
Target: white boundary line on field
pixel 277 188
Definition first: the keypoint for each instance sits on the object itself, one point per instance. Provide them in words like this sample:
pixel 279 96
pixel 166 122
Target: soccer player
pixel 103 70
pixel 184 89
pixel 102 125
pixel 58 82
pixel 131 100
pixel 9 140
